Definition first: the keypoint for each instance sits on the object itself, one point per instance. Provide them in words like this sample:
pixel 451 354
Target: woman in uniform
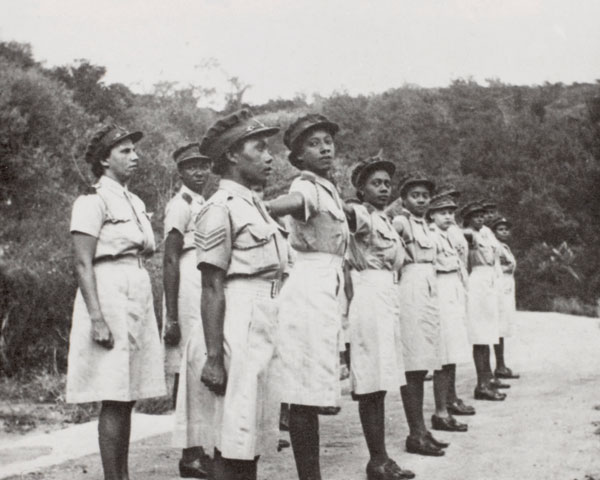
pixel 482 303
pixel 456 237
pixel 419 311
pixel 226 401
pixel 181 279
pixel 114 348
pixel 502 229
pixel 376 256
pixel 309 315
pixel 454 345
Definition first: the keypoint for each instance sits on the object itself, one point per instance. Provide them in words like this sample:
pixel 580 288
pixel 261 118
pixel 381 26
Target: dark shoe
pixel 329 410
pixel 448 424
pixel 423 446
pixel 436 442
pixel 428 377
pixel 506 373
pixel 495 383
pixel 196 469
pixel 387 471
pixel 487 393
pixel 283 443
pixel 458 407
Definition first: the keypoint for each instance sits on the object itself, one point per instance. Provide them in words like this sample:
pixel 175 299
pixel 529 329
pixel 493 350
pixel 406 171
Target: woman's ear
pixel 231 156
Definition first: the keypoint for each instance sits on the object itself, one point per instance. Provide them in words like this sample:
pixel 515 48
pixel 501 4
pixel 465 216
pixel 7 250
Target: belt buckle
pixel 395 277
pixel 140 261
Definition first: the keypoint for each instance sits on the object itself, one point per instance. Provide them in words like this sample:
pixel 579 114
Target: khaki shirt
pixel 116 217
pixel 507 259
pixel 180 214
pixel 234 235
pixel 419 239
pixel 323 226
pixel 447 259
pixel 375 244
pixel 460 243
pixel 483 251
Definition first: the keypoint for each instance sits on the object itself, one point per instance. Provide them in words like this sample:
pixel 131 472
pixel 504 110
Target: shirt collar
pixel 237 189
pixel 321 181
pixel 196 197
pixel 110 184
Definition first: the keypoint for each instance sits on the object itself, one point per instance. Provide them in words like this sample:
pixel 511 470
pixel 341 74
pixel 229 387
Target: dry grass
pixel 574 306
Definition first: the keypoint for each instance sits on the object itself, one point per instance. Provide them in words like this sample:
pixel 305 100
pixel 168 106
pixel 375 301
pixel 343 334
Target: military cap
pixel 416 178
pixel 191 151
pixel 500 220
pixel 471 208
pixel 228 131
pixel 371 164
pixel 488 204
pixel 439 202
pixel 447 189
pixel 301 126
pixel 106 139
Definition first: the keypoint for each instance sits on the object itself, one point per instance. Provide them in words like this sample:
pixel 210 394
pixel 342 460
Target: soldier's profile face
pixel 317 152
pixel 255 161
pixel 122 161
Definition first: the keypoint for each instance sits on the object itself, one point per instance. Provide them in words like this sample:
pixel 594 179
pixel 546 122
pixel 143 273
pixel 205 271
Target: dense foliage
pixel 534 149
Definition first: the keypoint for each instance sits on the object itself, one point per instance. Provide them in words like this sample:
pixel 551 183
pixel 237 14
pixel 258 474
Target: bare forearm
pixel 213 313
pixel 87 285
pixel 171 286
pixel 289 204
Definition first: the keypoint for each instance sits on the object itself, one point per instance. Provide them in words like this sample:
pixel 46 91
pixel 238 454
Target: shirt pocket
pixel 254 249
pixel 384 239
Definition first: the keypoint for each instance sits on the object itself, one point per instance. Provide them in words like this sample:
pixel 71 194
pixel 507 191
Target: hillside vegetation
pixel 536 149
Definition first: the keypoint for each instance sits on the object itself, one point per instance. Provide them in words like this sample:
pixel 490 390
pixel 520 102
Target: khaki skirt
pixel 133 368
pixel 508 306
pixel 419 317
pixel 376 363
pixel 483 306
pixel 242 423
pixel 188 307
pixel 309 331
pixel 454 346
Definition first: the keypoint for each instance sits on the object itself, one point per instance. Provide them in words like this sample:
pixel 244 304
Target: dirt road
pixel 548 428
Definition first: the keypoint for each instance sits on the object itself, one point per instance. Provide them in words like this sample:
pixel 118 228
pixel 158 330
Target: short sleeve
pixel 177 215
pixel 212 237
pixel 88 215
pixel 402 225
pixel 363 220
pixel 309 193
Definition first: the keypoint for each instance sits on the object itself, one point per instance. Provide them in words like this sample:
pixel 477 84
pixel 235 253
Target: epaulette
pixel 310 176
pixel 187 197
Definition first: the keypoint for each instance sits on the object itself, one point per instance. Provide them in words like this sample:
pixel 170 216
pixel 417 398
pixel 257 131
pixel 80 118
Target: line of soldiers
pixel 255 293
pixel 271 313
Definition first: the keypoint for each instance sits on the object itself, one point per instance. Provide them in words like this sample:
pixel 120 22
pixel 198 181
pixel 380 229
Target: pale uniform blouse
pixel 375 244
pixel 235 233
pixel 181 212
pixel 419 240
pixel 459 242
pixel 323 226
pixel 507 259
pixel 484 251
pixel 116 217
pixel 447 259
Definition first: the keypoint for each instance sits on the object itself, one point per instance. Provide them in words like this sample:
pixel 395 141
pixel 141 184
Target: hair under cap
pixel 416 178
pixel 365 167
pixel 301 126
pixel 106 138
pixel 230 130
